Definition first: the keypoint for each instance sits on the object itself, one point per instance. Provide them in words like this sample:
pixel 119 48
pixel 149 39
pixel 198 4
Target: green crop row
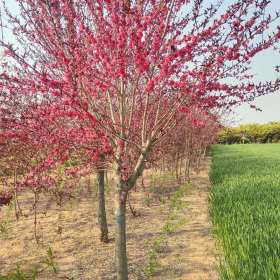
pixel 245 210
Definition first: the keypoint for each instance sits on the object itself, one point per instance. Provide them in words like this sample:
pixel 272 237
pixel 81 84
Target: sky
pixel 262 67
pixel 270 103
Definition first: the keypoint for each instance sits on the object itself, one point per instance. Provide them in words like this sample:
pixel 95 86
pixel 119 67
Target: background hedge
pixel 251 133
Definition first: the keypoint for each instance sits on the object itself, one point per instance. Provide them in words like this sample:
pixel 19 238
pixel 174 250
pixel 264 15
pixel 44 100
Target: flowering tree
pixel 186 144
pixel 38 139
pixel 129 66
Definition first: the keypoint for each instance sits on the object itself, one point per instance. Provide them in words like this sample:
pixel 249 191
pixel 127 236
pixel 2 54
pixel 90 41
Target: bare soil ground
pixel 72 233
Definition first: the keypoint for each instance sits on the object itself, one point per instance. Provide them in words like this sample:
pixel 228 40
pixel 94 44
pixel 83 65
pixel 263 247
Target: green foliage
pixel 3 228
pixel 153 262
pixel 147 200
pixel 251 133
pixel 176 202
pixel 245 210
pixel 168 228
pixel 14 275
pixel 72 162
pixel 107 188
pixel 33 272
pixel 49 260
pixel 18 274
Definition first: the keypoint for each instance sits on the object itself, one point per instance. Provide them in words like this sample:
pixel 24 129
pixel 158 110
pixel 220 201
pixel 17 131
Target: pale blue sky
pixel 270 103
pixel 262 67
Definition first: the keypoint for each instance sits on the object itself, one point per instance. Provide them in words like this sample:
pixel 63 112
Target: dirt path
pixel 72 233
pixel 193 254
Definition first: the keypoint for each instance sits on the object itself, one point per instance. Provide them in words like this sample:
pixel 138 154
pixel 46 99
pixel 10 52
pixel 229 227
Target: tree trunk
pixel 204 152
pixel 35 216
pixel 180 167
pixel 120 208
pixel 177 168
pixel 120 235
pixel 18 211
pixel 102 220
pixel 187 169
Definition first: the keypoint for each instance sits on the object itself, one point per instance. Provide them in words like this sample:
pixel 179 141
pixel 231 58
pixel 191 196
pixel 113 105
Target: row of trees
pixel 122 85
pixel 251 133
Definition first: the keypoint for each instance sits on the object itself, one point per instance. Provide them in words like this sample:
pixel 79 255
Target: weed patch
pixel 173 223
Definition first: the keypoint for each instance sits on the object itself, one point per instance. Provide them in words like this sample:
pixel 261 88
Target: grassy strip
pixel 172 224
pixel 245 210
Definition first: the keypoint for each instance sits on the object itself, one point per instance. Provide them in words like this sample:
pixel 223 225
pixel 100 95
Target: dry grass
pixel 72 233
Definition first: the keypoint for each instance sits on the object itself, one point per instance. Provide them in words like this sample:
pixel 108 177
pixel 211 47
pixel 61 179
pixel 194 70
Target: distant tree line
pixel 250 133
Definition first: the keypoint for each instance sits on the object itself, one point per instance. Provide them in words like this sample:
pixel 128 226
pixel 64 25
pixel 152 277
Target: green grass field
pixel 245 210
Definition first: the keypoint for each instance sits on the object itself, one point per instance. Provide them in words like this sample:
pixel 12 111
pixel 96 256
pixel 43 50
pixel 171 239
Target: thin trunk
pixel 187 169
pixel 204 152
pixel 177 168
pixel 102 220
pixel 122 190
pixel 120 235
pixel 180 167
pixel 89 186
pixel 35 216
pixel 18 211
pixel 142 182
pixel 106 178
pixel 132 209
pixel 198 160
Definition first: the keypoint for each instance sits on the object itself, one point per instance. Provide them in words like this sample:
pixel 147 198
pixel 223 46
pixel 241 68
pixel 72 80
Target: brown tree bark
pixel 102 219
pixel 120 234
